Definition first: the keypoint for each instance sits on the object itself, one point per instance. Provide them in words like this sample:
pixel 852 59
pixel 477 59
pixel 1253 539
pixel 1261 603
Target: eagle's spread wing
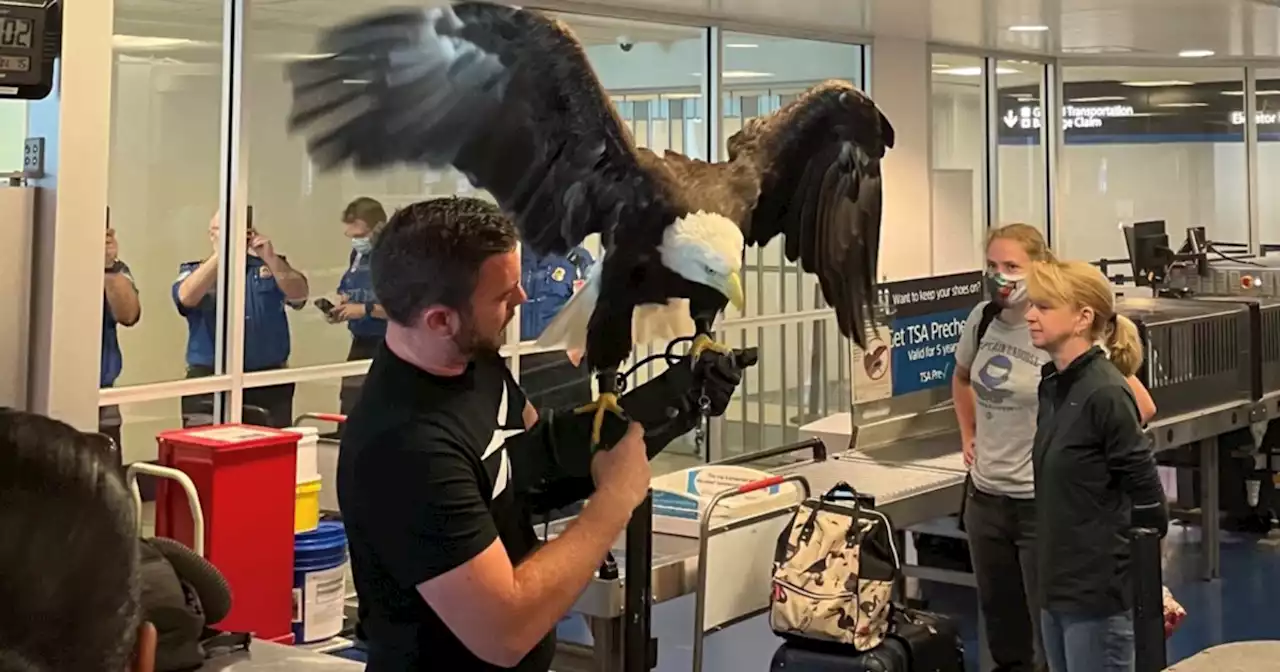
pixel 818 160
pixel 504 95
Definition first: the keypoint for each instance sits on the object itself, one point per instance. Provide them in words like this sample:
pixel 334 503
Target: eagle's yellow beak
pixel 733 288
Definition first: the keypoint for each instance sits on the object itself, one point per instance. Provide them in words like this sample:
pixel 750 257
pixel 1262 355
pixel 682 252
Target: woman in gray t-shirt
pixel 994 389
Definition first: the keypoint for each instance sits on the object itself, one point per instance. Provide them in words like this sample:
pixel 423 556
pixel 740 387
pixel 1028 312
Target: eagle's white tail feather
pixel 568 329
pixel 662 324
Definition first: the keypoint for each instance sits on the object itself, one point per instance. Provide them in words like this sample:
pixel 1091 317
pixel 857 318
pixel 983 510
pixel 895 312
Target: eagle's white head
pixel 706 248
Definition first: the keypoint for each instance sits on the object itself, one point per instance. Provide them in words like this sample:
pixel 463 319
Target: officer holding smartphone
pixel 357 304
pixel 270 285
pixel 120 307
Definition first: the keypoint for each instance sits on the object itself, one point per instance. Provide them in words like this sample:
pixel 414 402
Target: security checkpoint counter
pixel 913 481
pixel 264 656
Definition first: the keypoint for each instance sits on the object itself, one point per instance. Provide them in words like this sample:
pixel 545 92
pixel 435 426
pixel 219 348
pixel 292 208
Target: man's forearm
pixel 551 462
pixel 549 581
pixel 662 407
pixel 122 299
pixel 291 282
pixel 195 286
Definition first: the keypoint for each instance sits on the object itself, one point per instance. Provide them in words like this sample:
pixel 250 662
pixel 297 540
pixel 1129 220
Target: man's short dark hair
pixel 430 254
pixel 366 210
pixel 68 550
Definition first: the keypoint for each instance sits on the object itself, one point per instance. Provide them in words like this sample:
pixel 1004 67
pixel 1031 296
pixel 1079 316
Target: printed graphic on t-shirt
pixel 995 382
pixel 496 461
pixel 991 376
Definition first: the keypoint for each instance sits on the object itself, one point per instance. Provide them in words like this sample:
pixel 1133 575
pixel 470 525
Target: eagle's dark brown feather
pixel 819 162
pixel 507 96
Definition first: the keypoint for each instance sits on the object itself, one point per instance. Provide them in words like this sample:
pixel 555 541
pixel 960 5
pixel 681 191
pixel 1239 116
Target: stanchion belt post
pixel 1148 602
pixel 640 652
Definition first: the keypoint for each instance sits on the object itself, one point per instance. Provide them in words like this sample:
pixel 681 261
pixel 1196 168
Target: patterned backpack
pixel 833 572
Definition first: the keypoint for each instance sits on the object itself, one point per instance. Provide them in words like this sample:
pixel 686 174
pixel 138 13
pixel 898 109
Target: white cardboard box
pixel 680 499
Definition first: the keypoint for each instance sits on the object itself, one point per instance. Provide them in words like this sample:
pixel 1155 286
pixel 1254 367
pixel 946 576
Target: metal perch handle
pixel 336 418
pixel 193 498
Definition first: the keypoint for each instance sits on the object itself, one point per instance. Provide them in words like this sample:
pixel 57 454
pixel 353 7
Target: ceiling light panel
pixel 1157 83
pixel 974 71
pixel 1096 99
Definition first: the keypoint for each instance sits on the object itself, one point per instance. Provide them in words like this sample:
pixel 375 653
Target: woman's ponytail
pixel 1124 345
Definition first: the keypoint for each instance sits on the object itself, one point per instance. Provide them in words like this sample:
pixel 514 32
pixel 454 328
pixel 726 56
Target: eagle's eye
pixel 708 270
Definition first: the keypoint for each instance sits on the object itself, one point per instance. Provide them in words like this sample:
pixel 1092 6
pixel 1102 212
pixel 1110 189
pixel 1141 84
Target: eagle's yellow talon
pixel 605 403
pixel 702 343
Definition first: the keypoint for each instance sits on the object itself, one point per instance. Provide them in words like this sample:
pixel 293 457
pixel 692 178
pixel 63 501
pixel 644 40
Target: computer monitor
pixel 1149 252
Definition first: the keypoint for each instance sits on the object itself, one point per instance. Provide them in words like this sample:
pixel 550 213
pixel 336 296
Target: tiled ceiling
pixel 1128 28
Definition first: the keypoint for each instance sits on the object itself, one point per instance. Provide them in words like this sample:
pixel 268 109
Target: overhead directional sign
pixel 1073 116
pixel 1135 112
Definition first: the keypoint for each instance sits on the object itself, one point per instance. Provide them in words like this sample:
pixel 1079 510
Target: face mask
pixel 1008 291
pixel 361 245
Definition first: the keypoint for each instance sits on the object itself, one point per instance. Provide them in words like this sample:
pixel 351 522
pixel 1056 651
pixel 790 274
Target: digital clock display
pixel 15 33
pixel 15 63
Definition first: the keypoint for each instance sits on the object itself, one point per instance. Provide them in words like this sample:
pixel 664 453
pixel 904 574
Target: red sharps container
pixel 246 478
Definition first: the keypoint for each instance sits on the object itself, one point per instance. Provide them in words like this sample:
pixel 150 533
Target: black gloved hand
pixel 718 376
pixel 1151 516
pixel 667 406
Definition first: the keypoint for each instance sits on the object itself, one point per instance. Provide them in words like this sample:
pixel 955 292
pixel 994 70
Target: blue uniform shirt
pixel 549 282
pixel 357 286
pixel 112 360
pixel 266 329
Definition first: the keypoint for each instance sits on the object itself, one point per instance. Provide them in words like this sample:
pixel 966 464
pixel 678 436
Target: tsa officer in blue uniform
pixel 357 304
pixel 270 284
pixel 120 307
pixel 550 379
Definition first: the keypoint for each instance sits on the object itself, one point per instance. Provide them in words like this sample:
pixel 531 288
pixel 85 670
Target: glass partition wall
pixel 989 152
pixel 958 160
pixel 1154 143
pixel 1079 148
pixel 200 154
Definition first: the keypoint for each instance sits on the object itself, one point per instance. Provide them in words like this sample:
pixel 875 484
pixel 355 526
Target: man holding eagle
pixel 447 572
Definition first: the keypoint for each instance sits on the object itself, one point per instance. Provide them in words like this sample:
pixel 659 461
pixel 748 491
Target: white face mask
pixel 362 245
pixel 1007 291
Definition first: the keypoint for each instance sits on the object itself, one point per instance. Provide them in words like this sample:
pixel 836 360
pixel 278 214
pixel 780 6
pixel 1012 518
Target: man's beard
pixel 471 343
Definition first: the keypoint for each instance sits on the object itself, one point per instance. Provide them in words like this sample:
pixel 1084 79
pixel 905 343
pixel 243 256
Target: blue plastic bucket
pixel 319 582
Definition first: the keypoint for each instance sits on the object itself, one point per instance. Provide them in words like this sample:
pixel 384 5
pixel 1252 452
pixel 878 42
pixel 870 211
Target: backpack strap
pixel 990 312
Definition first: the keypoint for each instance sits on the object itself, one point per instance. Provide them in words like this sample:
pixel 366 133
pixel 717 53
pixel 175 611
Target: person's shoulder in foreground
pixel 70 588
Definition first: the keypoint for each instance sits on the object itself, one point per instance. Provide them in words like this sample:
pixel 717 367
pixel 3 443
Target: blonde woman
pixel 1095 476
pixel 997 375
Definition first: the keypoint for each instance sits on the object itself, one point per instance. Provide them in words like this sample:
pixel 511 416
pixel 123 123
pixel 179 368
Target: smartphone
pixel 325 305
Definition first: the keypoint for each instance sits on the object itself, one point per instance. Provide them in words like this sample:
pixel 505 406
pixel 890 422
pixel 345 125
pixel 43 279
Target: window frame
pixel 230 380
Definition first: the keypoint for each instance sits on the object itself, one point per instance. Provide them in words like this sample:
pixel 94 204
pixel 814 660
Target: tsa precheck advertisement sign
pixel 925 318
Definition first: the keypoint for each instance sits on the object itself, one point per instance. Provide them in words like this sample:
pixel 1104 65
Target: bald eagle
pixel 507 97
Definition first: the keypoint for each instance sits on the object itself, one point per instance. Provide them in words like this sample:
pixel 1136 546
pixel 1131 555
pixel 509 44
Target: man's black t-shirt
pixel 424 486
